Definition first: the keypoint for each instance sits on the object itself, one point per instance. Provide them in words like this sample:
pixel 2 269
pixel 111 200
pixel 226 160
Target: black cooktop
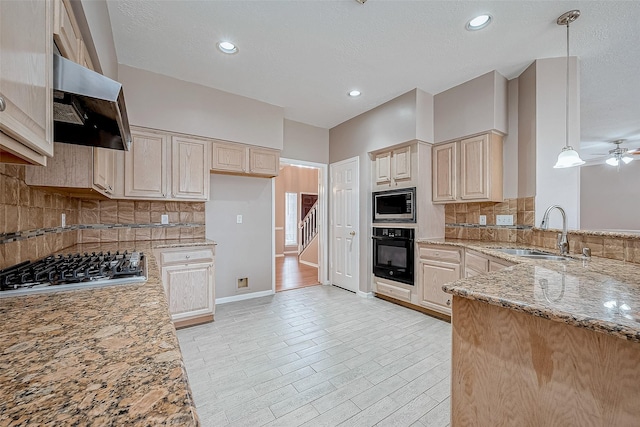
pixel 72 269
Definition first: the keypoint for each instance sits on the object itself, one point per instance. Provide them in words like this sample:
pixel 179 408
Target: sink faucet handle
pixel 586 252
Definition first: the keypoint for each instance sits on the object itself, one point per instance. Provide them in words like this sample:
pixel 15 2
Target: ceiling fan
pixel 619 155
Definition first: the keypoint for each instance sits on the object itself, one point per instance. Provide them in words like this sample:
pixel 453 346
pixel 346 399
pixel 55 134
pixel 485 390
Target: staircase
pixel 308 228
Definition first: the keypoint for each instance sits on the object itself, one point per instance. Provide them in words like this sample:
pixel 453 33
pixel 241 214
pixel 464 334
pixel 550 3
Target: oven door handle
pixel 391 238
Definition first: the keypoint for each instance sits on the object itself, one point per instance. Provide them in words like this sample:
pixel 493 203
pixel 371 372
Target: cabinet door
pixel 498 265
pixel 66 33
pixel 383 168
pixel 229 157
pixel 434 275
pixel 189 168
pixel 145 165
pixel 474 162
pixel 85 59
pixel 26 73
pixel 189 289
pixel 401 159
pixel 264 161
pixel 104 173
pixel 444 172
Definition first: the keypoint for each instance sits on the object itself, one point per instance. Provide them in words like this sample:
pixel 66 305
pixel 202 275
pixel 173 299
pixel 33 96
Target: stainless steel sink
pixel 533 254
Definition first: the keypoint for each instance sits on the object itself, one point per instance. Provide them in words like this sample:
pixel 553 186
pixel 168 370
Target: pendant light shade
pixel 568 157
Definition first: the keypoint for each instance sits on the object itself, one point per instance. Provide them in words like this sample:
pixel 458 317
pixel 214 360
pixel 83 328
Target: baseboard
pixel 327 283
pixel 365 294
pixel 310 264
pixel 243 297
pixel 279 255
pixel 291 252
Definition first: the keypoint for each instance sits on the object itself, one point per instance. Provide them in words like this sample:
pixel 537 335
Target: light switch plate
pixel 239 219
pixel 63 220
pixel 504 219
pixel 483 220
pixel 164 219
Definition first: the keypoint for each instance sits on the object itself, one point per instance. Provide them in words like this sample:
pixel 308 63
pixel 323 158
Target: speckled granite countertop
pixel 99 357
pixel 599 294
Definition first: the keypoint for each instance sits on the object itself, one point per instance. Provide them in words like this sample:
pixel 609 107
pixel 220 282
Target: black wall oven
pixel 393 254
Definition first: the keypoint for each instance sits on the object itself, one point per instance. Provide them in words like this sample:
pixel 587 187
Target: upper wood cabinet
pixel 26 75
pixel 77 170
pixel 189 168
pixel 163 165
pixel 393 166
pixel 146 165
pixel 66 33
pixel 104 169
pixel 444 172
pixel 468 170
pixel 234 158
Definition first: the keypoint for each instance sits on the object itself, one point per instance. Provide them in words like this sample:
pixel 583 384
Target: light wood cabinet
pixel 395 290
pixel 439 265
pixel 104 169
pixel 26 75
pixel 468 170
pixel 66 33
pixel 85 59
pixel 234 158
pixel 163 165
pixel 189 283
pixel 444 172
pixel 146 164
pixel 476 263
pixel 78 170
pixel 189 168
pixel 393 167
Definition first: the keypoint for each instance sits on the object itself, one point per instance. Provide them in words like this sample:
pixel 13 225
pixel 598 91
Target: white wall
pixel 243 250
pixel 394 122
pixel 556 186
pixel 609 198
pixel 472 107
pixel 162 102
pixel 305 142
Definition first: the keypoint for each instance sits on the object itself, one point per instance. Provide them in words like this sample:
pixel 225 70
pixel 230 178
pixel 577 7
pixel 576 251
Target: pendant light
pixel 568 157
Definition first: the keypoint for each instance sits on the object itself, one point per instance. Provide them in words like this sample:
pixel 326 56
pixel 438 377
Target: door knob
pixel 353 233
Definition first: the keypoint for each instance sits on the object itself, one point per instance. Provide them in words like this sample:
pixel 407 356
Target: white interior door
pixel 344 224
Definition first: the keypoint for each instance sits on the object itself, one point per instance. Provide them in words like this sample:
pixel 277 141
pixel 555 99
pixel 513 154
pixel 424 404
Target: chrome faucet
pixel 563 243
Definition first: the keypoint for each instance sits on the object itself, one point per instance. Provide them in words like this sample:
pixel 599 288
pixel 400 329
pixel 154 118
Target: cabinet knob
pixel 3 105
pixel 448 302
pixel 187 256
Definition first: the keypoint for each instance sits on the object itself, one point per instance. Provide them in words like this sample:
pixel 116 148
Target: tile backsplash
pixel 30 219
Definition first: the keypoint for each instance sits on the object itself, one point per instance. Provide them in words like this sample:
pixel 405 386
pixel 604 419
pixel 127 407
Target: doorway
pixel 300 232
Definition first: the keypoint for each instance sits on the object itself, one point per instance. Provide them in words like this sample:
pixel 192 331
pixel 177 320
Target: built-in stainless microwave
pixel 395 205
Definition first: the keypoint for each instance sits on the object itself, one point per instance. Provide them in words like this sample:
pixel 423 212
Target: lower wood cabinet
pixel 189 283
pixel 438 266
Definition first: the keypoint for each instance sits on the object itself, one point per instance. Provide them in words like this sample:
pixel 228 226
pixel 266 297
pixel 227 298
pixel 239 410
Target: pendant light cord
pixel 566 136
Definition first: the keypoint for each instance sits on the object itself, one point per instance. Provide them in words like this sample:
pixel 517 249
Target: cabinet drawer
pixel 449 255
pixel 203 255
pixel 394 291
pixel 476 262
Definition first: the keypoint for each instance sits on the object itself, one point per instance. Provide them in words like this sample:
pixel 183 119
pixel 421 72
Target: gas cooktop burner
pixel 73 271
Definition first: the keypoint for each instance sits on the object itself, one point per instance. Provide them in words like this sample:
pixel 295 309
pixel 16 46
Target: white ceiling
pixel 306 55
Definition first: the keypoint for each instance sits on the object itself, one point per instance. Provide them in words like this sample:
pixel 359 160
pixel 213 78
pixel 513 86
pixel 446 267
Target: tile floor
pixel 319 356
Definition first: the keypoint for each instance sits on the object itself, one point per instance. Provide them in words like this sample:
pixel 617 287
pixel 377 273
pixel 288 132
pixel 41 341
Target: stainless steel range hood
pixel 88 108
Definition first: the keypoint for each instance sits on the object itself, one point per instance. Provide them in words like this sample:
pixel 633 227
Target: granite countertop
pixel 106 356
pixel 598 294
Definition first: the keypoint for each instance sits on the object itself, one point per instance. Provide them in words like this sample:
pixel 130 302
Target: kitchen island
pixel 101 357
pixel 546 343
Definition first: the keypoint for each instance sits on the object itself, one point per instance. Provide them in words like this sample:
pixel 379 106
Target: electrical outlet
pixel 63 220
pixel 483 220
pixel 504 219
pixel 238 219
pixel 164 219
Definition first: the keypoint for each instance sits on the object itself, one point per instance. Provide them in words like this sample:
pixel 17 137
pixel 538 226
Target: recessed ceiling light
pixel 227 47
pixel 354 93
pixel 479 22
